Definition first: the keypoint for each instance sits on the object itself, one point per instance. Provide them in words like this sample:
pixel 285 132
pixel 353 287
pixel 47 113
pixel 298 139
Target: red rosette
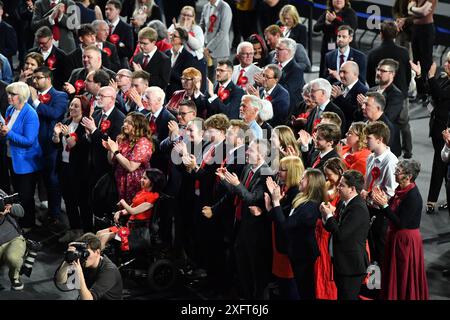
pixel 7 120
pixel 191 33
pixel 107 51
pixel 123 233
pixel 303 115
pixel 242 81
pixel 224 94
pixel 375 174
pixel 45 98
pixel 114 39
pixel 268 98
pixel 51 61
pixel 212 21
pixel 104 126
pixel 79 85
pixel 350 158
pixel 316 122
pixel 74 135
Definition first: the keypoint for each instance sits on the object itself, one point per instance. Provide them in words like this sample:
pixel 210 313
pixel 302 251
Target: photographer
pixel 99 278
pixel 12 243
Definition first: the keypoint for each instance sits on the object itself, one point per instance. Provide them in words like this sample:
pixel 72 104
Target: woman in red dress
pixel 355 152
pixel 404 276
pixel 131 154
pixel 323 269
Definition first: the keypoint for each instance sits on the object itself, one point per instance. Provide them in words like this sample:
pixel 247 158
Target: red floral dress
pixel 128 183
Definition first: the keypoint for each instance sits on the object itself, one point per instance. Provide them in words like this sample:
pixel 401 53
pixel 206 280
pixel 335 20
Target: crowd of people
pixel 274 180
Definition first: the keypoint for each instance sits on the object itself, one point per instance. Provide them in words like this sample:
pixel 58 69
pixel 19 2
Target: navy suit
pixel 354 55
pixel 229 106
pixel 185 60
pixel 60 70
pixel 349 103
pixel 280 104
pixel 292 80
pixel 159 68
pixel 50 114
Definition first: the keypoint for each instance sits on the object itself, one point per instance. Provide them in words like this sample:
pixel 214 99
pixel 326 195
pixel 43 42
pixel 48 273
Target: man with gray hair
pixel 250 107
pixel 291 73
pixel 243 74
pixel 101 35
pixel 320 96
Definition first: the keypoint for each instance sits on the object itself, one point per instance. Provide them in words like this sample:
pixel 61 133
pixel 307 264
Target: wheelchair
pixel 152 264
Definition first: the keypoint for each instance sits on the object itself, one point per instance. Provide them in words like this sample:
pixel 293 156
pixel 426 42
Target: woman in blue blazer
pixel 299 227
pixel 24 153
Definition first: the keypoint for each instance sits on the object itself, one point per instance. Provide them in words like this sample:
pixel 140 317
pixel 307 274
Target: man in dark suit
pixel 279 97
pixel 180 58
pixel 345 95
pixel 320 95
pixel 120 33
pixel 349 235
pixel 86 37
pixel 55 15
pixel 106 122
pixel 8 38
pixel 51 106
pixel 54 57
pixel 224 96
pixel 159 118
pixel 373 110
pixel 325 141
pixel 253 236
pixel 101 33
pixel 150 59
pixel 388 49
pixel 291 74
pixel 336 58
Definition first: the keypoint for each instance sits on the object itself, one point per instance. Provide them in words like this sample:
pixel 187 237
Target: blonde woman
pixel 299 227
pixel 290 25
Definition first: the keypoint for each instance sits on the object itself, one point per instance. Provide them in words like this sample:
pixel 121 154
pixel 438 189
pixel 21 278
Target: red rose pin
pixel 114 39
pixel 44 98
pixel 104 126
pixel 107 51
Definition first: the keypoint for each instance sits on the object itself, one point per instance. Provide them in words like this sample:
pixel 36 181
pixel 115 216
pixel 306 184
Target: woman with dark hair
pixel 33 60
pixel 73 168
pixel 404 276
pixel 152 182
pixel 299 227
pixel 260 48
pixel 130 154
pixel 339 13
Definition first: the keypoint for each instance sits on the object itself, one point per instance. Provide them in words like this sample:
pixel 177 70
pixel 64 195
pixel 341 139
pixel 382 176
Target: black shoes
pixel 443 206
pixel 430 209
pixel 446 273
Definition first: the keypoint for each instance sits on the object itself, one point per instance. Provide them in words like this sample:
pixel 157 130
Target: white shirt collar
pixel 348 201
pixel 107 112
pixel 114 24
pixel 156 114
pixel 283 64
pixel 225 84
pixel 45 91
pixel 350 86
pixel 151 53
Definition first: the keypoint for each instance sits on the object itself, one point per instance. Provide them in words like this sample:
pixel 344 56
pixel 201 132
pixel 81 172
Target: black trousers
pixel 348 287
pixel 377 236
pixel 422 40
pixel 438 170
pixel 25 185
pixel 304 277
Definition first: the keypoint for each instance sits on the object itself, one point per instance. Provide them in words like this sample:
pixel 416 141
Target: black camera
pixel 14 198
pixel 33 247
pixel 81 252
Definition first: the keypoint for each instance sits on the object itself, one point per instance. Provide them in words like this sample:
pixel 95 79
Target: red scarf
pixel 399 195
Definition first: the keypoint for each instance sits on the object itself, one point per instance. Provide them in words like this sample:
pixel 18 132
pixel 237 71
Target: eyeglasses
pixel 182 114
pixel 187 79
pixel 267 77
pixel 174 36
pixel 43 43
pixel 383 70
pixel 38 78
pixel 102 96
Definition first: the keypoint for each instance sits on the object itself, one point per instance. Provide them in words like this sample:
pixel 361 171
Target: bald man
pixel 345 92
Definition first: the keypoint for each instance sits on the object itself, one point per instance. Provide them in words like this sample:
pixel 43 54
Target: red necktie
pixel 341 61
pixel 238 201
pixel 152 125
pixel 219 92
pixel 316 163
pixel 55 28
pixel 145 62
pixel 110 28
pixel 239 79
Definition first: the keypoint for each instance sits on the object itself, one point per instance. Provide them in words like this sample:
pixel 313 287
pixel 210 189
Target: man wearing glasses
pixel 50 105
pixel 244 72
pixel 150 59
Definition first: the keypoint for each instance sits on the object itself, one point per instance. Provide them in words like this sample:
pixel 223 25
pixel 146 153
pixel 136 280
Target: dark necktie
pixel 145 61
pixel 341 60
pixel 238 201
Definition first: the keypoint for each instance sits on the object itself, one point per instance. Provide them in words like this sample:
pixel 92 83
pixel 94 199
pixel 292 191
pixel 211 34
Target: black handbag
pixel 105 195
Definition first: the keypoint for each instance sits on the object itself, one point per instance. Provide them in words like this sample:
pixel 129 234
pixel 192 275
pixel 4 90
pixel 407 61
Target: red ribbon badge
pixel 79 85
pixel 212 21
pixel 375 173
pixel 104 126
pixel 191 33
pixel 242 81
pixel 123 233
pixel 7 120
pixel 114 39
pixel 107 51
pixel 45 98
pixel 268 98
pixel 73 135
pixel 316 122
pixel 303 116
pixel 51 62
pixel 224 94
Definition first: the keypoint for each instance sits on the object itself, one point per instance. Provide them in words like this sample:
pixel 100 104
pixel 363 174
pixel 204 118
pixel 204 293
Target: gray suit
pixel 250 74
pixel 217 41
pixel 67 24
